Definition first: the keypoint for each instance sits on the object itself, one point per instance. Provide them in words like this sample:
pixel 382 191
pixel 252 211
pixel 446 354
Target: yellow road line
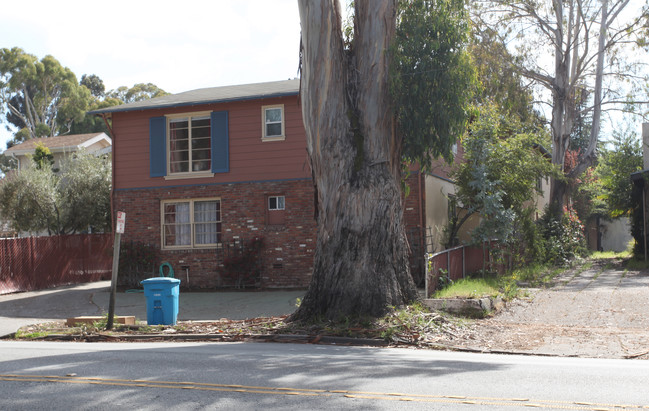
pixel 386 396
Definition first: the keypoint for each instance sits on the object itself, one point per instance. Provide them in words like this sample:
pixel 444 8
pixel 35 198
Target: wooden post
pixel 644 219
pixel 119 229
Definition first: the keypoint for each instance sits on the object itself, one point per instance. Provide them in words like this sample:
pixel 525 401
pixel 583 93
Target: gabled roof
pixel 211 95
pixel 72 142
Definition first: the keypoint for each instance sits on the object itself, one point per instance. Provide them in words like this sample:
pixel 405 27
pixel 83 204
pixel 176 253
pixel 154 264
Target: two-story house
pixel 199 171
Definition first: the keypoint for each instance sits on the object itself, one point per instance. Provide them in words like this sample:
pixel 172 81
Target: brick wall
pixel 288 248
pixel 287 252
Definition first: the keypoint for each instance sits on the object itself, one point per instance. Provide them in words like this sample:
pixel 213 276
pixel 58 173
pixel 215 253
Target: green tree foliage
pixel 593 70
pixel 43 157
pixel 139 92
pixel 7 163
pixel 609 188
pixel 499 178
pixel 614 168
pixel 564 236
pixel 92 123
pixel 40 96
pixel 101 99
pixel 502 85
pixel 432 77
pixel 93 83
pixel 73 200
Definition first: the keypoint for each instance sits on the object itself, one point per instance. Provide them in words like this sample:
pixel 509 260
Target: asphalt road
pixel 249 376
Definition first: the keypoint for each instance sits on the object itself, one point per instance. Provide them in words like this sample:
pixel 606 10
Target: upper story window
pixel 190 146
pixel 273 122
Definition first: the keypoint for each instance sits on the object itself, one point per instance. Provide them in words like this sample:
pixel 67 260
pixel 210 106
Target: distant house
pixel 61 146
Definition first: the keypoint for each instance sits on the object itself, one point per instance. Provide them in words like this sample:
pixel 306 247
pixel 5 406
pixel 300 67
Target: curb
pixel 282 338
pixel 277 338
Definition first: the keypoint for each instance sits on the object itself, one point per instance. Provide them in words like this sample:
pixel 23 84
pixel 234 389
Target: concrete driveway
pixel 20 309
pixel 599 311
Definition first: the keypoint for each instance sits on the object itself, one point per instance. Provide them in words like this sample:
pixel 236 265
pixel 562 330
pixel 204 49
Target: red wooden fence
pixel 36 263
pixel 456 263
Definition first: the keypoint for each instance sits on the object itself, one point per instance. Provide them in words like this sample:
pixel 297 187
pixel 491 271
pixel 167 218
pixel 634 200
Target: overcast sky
pixel 176 45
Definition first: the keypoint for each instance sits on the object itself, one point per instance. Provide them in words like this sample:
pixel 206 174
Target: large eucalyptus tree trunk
pixel 361 256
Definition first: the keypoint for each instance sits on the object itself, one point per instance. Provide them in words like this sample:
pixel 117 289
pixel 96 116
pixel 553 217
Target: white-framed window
pixel 272 118
pixel 276 202
pixel 189 143
pixel 191 223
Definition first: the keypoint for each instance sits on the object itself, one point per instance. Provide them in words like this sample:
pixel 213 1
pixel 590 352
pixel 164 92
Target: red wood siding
pixel 250 158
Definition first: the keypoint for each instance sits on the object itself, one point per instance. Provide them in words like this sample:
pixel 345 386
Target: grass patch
pixel 635 264
pixel 31 335
pixel 535 275
pixel 609 255
pixel 470 288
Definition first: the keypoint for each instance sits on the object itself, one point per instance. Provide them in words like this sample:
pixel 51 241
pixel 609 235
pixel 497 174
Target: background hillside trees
pixel 41 98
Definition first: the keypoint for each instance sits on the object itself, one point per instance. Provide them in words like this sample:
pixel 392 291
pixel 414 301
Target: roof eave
pixel 116 109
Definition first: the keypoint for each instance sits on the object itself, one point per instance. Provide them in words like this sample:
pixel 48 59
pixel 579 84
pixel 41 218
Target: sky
pixel 176 45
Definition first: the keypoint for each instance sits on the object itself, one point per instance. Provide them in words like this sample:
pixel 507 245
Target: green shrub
pixel 137 261
pixel 563 235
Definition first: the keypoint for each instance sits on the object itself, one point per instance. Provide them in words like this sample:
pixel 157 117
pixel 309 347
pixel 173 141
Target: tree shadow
pixel 309 367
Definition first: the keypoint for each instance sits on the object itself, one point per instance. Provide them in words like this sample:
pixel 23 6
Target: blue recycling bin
pixel 161 295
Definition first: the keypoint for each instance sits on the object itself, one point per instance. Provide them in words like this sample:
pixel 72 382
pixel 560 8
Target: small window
pixel 275 212
pixel 276 203
pixel 273 122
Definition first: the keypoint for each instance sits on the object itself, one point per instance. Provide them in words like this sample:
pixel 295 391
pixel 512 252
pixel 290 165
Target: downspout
pixel 422 230
pixel 644 219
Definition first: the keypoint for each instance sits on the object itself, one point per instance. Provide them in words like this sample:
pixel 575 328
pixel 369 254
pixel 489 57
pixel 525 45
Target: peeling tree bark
pixel 361 256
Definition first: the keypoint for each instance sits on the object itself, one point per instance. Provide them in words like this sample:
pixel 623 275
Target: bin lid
pixel 160 280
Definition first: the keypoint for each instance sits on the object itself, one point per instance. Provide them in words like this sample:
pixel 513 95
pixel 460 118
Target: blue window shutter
pixel 220 155
pixel 158 146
